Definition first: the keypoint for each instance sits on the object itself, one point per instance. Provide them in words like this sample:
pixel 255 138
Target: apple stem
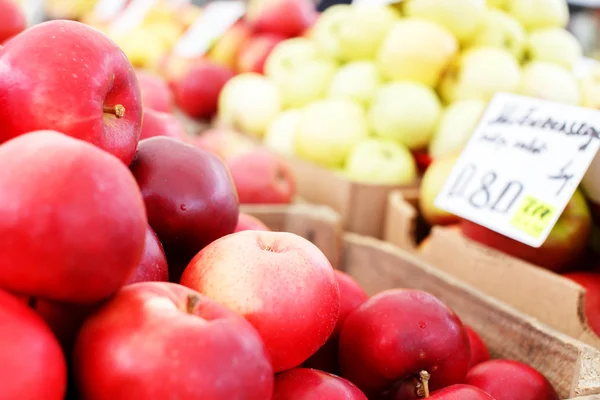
pixel 118 110
pixel 192 302
pixel 423 386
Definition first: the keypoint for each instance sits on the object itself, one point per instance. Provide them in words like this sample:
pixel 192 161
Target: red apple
pixel 479 351
pixel 155 91
pixel 153 265
pixel 156 123
pixel 72 218
pixel 189 195
pixel 222 143
pixel 310 384
pixel 247 222
pixel 32 364
pixel 225 50
pixel 509 380
pixel 398 333
pixel 262 177
pixel 565 244
pixel 159 340
pixel 284 17
pixel 280 282
pixel 12 20
pixel 461 392
pixel 254 52
pixel 69 77
pixel 591 283
pixel 197 90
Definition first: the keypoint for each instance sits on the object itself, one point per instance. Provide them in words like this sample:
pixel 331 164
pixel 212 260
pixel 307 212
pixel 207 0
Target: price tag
pixel 105 10
pixel 214 21
pixel 522 165
pixel 131 17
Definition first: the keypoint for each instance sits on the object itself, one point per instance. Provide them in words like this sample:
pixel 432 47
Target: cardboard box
pixel 545 295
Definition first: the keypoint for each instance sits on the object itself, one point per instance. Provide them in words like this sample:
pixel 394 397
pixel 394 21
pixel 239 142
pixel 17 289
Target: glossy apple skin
pixel 460 392
pixel 247 222
pixel 12 20
pixel 59 75
pixel 153 266
pixel 280 282
pixel 155 91
pixel 158 123
pixel 507 380
pixel 225 50
pixel 561 250
pixel 254 52
pixel 146 344
pixel 591 283
pixel 352 295
pixel 262 177
pixel 189 195
pixel 197 91
pixel 32 364
pixel 398 333
pixel 288 18
pixel 479 351
pixel 73 218
pixel 311 384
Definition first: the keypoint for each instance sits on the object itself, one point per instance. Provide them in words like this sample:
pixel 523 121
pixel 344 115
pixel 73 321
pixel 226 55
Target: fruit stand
pixel 299 200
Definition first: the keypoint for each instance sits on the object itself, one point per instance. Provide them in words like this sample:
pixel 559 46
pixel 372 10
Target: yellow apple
pixel 306 83
pixel 249 102
pixel 499 4
pixel 461 17
pixel 416 50
pixel 456 126
pixel 143 47
pixel 479 73
pixel 536 14
pixel 325 29
pixel 432 183
pixel 549 81
pixel 280 134
pixel 328 130
pixel 406 112
pixel 288 54
pixel 502 30
pixel 356 81
pixel 555 45
pixel 589 85
pixel 382 162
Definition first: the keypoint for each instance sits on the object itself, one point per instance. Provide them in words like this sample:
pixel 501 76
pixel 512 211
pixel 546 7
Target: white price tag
pixel 131 17
pixel 521 166
pixel 214 21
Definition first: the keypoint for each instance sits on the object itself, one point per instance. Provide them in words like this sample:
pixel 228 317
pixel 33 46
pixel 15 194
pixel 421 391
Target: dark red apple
pixel 69 77
pixel 156 123
pixel 254 52
pixel 262 177
pixel 159 340
pixel 12 20
pixel 397 334
pixel 591 283
pixel 460 392
pixel 479 351
pixel 72 218
pixel 311 384
pixel 32 364
pixel 155 91
pixel 153 265
pixel 197 90
pixel 284 17
pixel 509 380
pixel 247 222
pixel 189 194
pixel 280 282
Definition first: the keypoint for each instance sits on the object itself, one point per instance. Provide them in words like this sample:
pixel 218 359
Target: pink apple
pixel 288 18
pixel 253 53
pixel 311 384
pixel 157 123
pixel 12 20
pixel 155 91
pixel 247 222
pixel 222 143
pixel 225 50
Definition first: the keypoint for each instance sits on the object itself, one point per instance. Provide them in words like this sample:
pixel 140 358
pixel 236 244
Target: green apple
pixel 461 17
pixel 416 50
pixel 433 181
pixel 325 30
pixel 537 14
pixel 406 112
pixel 328 130
pixel 502 30
pixel 356 81
pixel 549 81
pixel 249 102
pixel 479 73
pixel 456 126
pixel 382 162
pixel 288 54
pixel 555 45
pixel 306 82
pixel 280 134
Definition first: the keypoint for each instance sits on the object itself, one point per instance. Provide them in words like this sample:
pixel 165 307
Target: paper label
pixel 131 17
pixel 212 23
pixel 522 165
